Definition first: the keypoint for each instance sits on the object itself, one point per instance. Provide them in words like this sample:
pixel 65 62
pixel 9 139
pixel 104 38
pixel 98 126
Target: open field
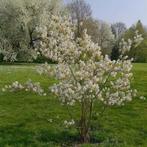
pixel 25 118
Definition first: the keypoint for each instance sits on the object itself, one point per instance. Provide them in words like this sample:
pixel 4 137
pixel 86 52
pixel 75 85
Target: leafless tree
pixel 118 29
pixel 79 11
pixel 99 31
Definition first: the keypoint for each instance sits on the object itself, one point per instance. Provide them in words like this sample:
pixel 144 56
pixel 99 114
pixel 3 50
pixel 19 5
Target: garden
pixel 68 79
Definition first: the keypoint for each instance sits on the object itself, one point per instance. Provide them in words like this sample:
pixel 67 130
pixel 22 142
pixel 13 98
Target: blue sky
pixel 127 11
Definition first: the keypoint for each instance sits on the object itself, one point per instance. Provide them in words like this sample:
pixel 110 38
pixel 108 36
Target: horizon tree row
pixel 19 18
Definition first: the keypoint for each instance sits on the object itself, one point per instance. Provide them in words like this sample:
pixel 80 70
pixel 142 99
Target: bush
pixel 1 57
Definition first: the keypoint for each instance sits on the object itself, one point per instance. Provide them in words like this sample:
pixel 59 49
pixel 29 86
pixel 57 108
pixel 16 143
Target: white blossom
pixel 84 75
pixel 83 72
pixel 28 86
pixel 69 123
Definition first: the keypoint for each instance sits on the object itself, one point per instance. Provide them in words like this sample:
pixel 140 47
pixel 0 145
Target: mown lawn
pixel 25 118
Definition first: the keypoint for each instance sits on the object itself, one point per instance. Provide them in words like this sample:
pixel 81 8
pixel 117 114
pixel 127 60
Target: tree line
pixel 19 19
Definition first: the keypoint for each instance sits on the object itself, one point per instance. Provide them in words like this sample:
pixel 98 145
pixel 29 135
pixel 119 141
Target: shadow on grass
pixel 17 135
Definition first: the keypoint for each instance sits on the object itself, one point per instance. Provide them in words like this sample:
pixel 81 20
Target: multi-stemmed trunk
pixel 86 112
pixel 84 133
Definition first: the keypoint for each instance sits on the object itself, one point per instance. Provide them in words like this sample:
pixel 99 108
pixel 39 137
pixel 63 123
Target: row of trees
pixel 108 36
pixel 19 18
pixel 18 21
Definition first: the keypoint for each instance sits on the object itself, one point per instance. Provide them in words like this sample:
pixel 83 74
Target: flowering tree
pixel 85 76
pixel 19 19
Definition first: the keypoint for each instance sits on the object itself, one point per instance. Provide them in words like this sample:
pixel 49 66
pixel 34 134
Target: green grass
pixel 25 117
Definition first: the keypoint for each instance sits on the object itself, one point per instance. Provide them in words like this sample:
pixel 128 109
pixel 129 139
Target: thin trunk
pixel 84 126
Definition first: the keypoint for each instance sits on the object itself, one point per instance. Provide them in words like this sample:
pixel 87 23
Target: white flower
pixel 50 120
pixel 69 123
pixel 3 89
pixel 142 98
pixel 84 75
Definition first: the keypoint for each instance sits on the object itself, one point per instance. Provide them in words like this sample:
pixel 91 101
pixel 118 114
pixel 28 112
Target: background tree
pixel 105 38
pixel 118 30
pixel 79 11
pixel 19 19
pixel 100 33
pixel 139 52
pixel 136 27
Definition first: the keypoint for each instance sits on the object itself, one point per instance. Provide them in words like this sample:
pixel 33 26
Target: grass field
pixel 25 118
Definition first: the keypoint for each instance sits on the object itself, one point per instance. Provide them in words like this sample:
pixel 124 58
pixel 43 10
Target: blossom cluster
pixel 28 86
pixel 69 123
pixel 83 72
pixel 56 39
pixel 45 69
pixel 84 75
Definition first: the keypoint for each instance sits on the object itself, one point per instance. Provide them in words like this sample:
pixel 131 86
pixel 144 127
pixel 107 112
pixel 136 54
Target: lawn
pixel 29 120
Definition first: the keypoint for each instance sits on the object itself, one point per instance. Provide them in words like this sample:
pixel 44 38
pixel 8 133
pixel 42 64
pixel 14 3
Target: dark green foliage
pixel 139 26
pixel 42 59
pixel 115 51
pixel 1 57
pixel 129 34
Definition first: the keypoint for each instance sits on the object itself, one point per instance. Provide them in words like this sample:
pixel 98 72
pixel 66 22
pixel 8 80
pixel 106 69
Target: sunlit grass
pixel 25 117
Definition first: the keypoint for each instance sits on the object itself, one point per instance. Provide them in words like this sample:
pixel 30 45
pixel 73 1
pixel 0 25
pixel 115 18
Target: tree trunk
pixel 85 137
pixel 84 125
